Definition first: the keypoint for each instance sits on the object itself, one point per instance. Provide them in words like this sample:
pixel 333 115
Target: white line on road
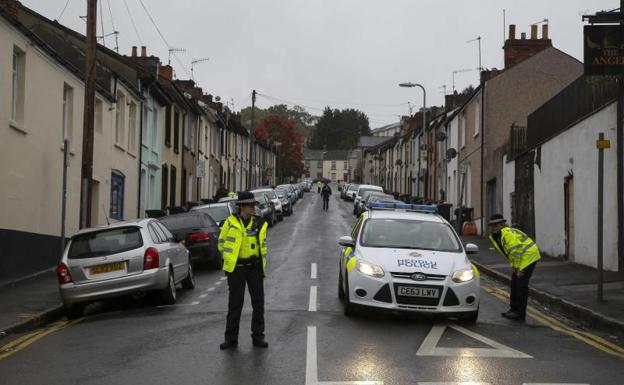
pixel 203 296
pixel 218 282
pixel 313 273
pixel 222 278
pixel 550 383
pixel 453 383
pixel 311 377
pixel 312 306
pixel 210 289
pixel 180 305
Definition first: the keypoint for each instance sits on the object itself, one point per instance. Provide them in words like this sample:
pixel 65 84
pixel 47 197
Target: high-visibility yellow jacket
pixel 518 248
pixel 239 242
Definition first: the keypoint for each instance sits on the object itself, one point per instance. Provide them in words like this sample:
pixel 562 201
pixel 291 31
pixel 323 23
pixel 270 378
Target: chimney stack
pixel 544 31
pixel 143 51
pixel 512 32
pixel 534 32
pixel 11 7
pixel 134 51
pixel 166 72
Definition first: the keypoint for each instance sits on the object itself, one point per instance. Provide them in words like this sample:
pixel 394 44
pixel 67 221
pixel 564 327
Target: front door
pixel 568 191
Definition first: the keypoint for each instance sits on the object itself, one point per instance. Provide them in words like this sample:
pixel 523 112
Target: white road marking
pixel 313 273
pixel 203 296
pixel 312 305
pixel 453 383
pixel 311 377
pixel 210 289
pixel 429 346
pixel 180 305
pixel 218 282
pixel 550 383
pixel 222 278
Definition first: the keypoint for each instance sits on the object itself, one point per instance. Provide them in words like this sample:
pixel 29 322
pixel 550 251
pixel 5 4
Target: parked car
pixel 343 192
pixel 361 206
pixel 200 234
pixel 219 212
pixel 288 196
pixel 361 190
pixel 351 192
pixel 277 203
pixel 291 190
pixel 119 259
pixel 282 195
pixel 265 208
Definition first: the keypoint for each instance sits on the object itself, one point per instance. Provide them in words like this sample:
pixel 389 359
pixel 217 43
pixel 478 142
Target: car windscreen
pixel 260 197
pixel 105 242
pixel 409 234
pixel 353 187
pixel 362 191
pixel 179 222
pixel 269 193
pixel 218 213
pixel 281 194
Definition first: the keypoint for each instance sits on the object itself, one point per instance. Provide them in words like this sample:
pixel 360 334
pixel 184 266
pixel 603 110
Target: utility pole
pixel 252 142
pixel 620 153
pixel 89 116
pixel 601 145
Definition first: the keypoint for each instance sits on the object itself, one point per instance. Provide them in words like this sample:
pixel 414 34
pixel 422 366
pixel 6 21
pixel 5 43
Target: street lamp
pixel 424 113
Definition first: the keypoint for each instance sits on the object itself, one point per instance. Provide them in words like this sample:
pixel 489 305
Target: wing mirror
pixel 346 241
pixel 471 248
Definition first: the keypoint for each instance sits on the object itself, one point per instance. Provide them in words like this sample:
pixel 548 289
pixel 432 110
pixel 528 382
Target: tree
pixel 339 129
pixel 302 120
pixel 282 133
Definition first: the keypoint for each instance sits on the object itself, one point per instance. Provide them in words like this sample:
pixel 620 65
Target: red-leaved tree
pixel 288 141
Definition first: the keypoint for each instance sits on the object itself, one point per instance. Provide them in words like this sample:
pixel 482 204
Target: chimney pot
pixel 534 32
pixel 143 51
pixel 11 7
pixel 545 31
pixel 512 32
pixel 134 51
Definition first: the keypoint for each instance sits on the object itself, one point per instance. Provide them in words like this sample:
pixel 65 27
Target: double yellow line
pixel 28 339
pixel 555 324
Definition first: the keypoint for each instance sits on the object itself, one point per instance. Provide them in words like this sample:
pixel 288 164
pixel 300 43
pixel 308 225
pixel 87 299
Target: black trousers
pixel 325 203
pixel 252 276
pixel 520 289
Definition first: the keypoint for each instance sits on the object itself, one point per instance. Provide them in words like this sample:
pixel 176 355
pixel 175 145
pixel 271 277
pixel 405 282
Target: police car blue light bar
pixel 403 206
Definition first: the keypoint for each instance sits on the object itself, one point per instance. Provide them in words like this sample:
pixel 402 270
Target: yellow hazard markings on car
pixel 28 339
pixel 555 324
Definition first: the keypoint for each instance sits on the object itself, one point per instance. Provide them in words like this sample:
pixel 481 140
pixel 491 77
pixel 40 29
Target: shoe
pixel 514 315
pixel 505 314
pixel 228 345
pixel 260 343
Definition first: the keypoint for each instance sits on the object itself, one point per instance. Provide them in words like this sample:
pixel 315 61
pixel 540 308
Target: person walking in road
pixel 319 186
pixel 326 192
pixel 522 254
pixel 242 243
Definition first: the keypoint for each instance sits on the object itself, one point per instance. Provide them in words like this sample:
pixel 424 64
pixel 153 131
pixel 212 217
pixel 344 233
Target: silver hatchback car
pixel 122 258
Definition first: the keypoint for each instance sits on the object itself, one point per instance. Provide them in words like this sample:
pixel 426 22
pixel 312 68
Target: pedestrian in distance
pixel 319 186
pixel 242 243
pixel 522 254
pixel 326 192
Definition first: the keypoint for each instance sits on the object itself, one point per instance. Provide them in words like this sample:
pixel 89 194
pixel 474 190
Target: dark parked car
pixel 265 208
pixel 200 234
pixel 290 191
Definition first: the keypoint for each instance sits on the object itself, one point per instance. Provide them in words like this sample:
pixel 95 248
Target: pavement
pixel 566 287
pixel 311 341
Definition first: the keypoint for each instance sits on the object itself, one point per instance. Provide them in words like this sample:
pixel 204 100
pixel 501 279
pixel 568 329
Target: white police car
pixel 406 257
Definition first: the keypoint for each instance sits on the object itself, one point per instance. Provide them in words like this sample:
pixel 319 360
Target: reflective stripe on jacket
pixel 237 241
pixel 518 248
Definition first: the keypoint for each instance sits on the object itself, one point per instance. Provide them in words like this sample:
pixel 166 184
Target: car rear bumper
pixel 152 279
pixel 454 297
pixel 204 252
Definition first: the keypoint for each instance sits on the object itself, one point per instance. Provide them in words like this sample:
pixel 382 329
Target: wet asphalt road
pixel 140 343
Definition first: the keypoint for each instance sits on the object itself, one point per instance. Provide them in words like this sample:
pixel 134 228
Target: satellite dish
pixel 218 98
pixel 451 153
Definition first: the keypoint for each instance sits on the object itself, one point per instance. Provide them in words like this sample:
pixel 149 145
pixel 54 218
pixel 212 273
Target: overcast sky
pixel 342 53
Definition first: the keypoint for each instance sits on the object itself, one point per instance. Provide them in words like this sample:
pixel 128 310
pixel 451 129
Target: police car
pixel 406 257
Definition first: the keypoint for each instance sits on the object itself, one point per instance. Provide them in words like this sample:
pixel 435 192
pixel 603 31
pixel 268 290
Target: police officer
pixel 242 243
pixel 522 254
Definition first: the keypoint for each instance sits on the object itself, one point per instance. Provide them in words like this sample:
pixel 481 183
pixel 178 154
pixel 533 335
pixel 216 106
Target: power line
pixel 349 103
pixel 63 11
pixel 102 25
pixel 163 38
pixel 132 21
pixel 112 20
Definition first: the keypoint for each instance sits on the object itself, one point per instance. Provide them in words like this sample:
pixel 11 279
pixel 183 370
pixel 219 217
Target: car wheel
pixel 348 307
pixel 341 293
pixel 74 311
pixel 280 218
pixel 168 295
pixel 218 263
pixel 189 282
pixel 469 317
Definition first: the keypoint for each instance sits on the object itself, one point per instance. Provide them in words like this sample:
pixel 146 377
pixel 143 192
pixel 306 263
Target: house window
pixel 164 186
pixel 119 119
pixel 144 190
pixel 333 164
pixel 17 85
pixel 68 112
pixel 176 131
pixel 319 164
pixel 168 126
pixel 146 129
pixel 344 166
pixel 307 164
pixel 172 188
pixel 462 130
pixel 187 134
pixel 132 131
pixel 477 117
pixel 154 131
pixel 99 115
pixel 117 195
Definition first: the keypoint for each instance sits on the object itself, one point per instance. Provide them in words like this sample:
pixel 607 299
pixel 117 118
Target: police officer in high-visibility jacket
pixel 522 254
pixel 242 243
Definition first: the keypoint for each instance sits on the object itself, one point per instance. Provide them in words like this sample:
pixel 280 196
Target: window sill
pixel 118 146
pixel 176 150
pixel 17 127
pixel 475 135
pixel 131 154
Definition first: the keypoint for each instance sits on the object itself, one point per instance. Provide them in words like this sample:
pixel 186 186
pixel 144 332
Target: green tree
pixel 339 129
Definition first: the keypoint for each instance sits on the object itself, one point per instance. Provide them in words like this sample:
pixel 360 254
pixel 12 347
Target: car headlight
pixel 370 269
pixel 463 275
